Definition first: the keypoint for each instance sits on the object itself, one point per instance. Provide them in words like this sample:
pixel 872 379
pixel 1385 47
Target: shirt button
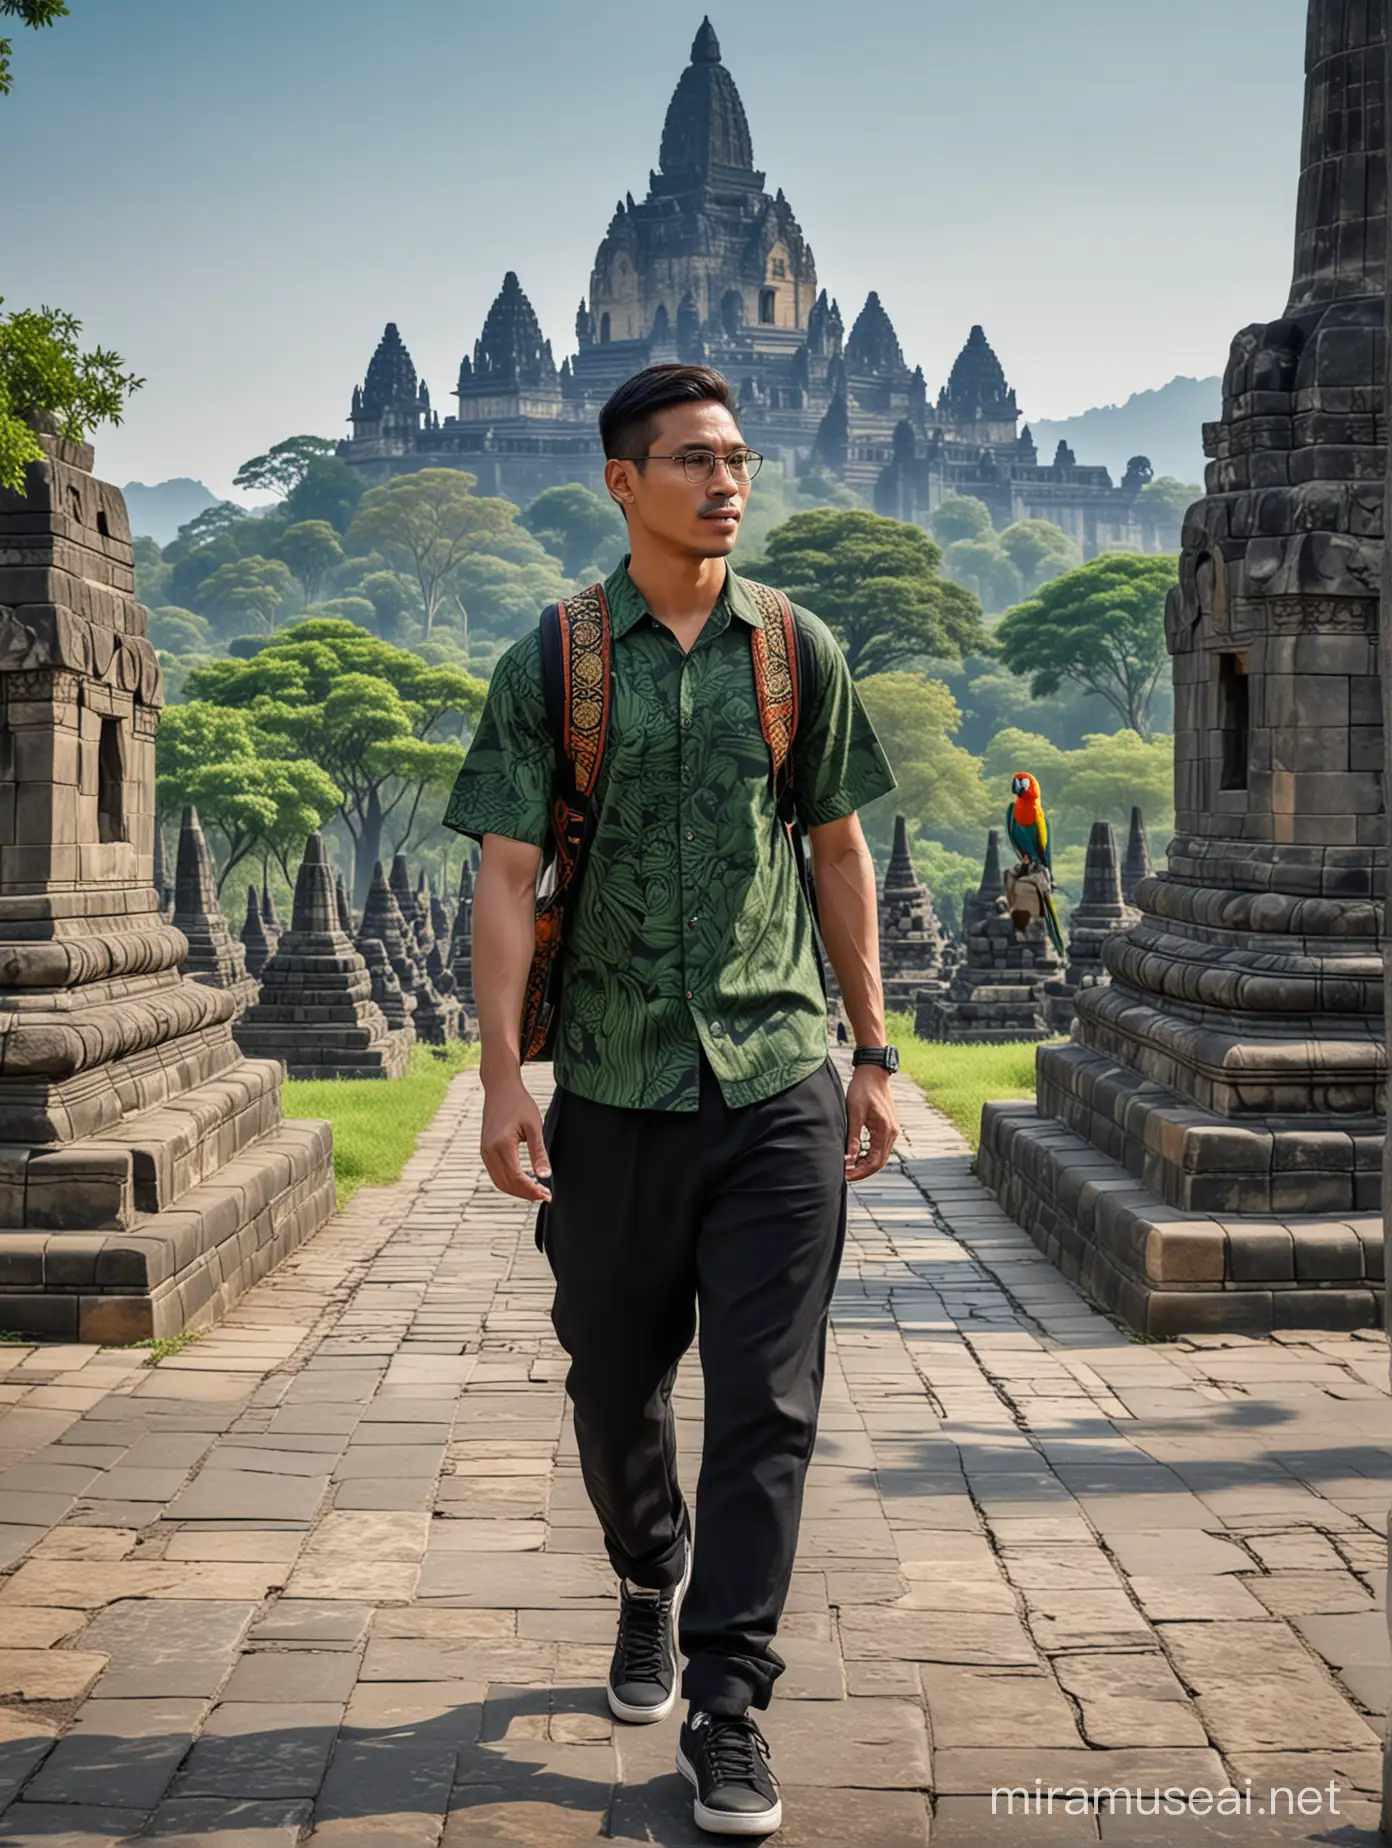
pixel 691 923
pixel 686 724
pixel 690 994
pixel 690 834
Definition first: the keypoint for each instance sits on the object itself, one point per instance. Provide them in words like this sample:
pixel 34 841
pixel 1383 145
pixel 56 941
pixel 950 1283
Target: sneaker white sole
pixel 728 1822
pixel 648 1716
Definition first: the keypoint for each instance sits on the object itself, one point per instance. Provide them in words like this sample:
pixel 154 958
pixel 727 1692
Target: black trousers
pixel 740 1214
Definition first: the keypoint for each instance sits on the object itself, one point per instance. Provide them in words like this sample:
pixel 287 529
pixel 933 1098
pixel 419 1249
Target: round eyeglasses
pixel 700 464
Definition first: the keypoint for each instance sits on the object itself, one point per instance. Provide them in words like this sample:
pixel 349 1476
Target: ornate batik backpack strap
pixel 576 680
pixel 586 680
pixel 774 648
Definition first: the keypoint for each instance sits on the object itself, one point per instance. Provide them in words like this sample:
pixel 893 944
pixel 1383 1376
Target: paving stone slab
pixel 124 1750
pixel 270 1748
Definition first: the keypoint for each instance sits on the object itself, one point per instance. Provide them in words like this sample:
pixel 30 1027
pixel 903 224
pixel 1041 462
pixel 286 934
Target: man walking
pixel 697 1149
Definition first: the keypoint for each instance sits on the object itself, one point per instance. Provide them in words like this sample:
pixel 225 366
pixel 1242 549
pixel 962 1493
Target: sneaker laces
pixel 642 1635
pixel 737 1751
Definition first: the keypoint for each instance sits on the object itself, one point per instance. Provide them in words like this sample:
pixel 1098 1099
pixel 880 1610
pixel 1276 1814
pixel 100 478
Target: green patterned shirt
pixel 691 930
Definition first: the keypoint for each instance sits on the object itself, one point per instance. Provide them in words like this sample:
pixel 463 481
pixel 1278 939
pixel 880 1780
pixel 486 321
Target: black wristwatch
pixel 888 1056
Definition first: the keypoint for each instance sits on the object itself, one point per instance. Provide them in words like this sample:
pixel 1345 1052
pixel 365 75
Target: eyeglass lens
pixel 700 464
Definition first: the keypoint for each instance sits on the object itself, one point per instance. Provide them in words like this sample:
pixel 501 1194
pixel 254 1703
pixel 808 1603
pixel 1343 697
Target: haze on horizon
pixel 237 199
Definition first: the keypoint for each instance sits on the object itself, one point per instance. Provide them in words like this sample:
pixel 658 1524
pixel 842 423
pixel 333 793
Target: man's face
pixel 699 517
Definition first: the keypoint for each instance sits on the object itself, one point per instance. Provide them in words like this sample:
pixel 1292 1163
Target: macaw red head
pixel 1023 784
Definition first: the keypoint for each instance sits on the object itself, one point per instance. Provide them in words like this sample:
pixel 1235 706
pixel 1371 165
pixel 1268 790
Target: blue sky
pixel 237 197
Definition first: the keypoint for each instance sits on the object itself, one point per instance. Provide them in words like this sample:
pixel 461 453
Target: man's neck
pixel 679 588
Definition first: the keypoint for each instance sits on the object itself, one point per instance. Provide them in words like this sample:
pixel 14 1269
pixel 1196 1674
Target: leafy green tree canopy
pixel 1101 627
pixel 1039 550
pixel 382 724
pixel 248 592
pixel 311 549
pixel 876 583
pixel 46 379
pixel 35 13
pixel 176 631
pixel 426 524
pixel 960 516
pixel 1100 781
pixel 985 568
pixel 939 784
pixel 1168 499
pixel 328 490
pixel 283 467
pixel 579 527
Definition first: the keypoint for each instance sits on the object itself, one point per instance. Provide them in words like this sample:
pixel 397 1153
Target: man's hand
pixel 869 1105
pixel 510 1118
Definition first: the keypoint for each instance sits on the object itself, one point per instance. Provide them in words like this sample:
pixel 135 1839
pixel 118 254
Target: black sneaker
pixel 642 1684
pixel 727 1763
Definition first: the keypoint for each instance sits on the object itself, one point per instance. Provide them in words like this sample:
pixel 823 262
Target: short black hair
pixel 626 422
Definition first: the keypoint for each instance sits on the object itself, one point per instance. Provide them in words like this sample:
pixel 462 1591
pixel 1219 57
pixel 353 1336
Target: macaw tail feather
pixel 1051 923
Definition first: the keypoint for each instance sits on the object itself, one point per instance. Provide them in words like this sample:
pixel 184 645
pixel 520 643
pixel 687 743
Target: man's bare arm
pixel 848 907
pixel 504 932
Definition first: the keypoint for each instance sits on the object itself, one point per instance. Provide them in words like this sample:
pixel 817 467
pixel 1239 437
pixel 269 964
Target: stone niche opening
pixel 1235 717
pixel 111 781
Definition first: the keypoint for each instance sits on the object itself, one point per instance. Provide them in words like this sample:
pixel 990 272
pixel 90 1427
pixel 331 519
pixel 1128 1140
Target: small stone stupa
pixel 255 943
pixel 997 989
pixel 345 910
pixel 161 880
pixel 1137 866
pixel 440 920
pixel 1099 915
pixel 214 955
pixel 437 1015
pixel 270 917
pixel 316 1013
pixel 461 950
pixel 397 1007
pixel 910 940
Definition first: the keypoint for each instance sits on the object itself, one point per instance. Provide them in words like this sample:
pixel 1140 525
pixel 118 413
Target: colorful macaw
pixel 1028 830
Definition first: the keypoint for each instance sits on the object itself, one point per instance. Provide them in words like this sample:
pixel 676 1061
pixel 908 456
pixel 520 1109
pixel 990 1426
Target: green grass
pixel 376 1120
pixel 960 1079
pixel 165 1345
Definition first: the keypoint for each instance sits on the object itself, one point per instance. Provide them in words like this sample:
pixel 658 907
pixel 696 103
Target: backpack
pixel 577 686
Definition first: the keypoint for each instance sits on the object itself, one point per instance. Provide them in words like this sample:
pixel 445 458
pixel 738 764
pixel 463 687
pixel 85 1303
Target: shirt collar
pixel 627 604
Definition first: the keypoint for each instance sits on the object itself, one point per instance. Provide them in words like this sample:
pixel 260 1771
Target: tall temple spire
pixel 706 127
pixel 1341 205
pixel 873 345
pixel 976 389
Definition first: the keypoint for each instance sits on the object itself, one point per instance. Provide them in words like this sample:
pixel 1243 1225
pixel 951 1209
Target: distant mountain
pixel 1164 424
pixel 160 511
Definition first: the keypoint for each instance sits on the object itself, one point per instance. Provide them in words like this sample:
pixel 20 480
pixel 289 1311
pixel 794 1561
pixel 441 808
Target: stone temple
pixel 710 266
pixel 1206 1152
pixel 146 1176
pixel 996 991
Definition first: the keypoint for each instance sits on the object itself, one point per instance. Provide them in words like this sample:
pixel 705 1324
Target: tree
pixel 1039 550
pixel 176 631
pixel 427 524
pixel 1102 627
pixel 35 13
pixel 1168 500
pixel 939 784
pixel 281 470
pixel 961 516
pixel 249 591
pixel 328 490
pixel 255 804
pixel 48 382
pixel 151 572
pixel 876 583
pixel 311 549
pixel 393 600
pixel 580 528
pixel 501 599
pixel 984 567
pixel 383 725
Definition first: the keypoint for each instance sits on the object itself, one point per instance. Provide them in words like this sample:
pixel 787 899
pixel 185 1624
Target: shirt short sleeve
pixel 838 763
pixel 504 784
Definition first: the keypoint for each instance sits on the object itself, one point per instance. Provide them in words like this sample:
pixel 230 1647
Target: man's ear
pixel 619 482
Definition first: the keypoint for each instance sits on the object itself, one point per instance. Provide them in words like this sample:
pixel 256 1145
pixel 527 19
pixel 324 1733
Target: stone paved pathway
pixel 330 1570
